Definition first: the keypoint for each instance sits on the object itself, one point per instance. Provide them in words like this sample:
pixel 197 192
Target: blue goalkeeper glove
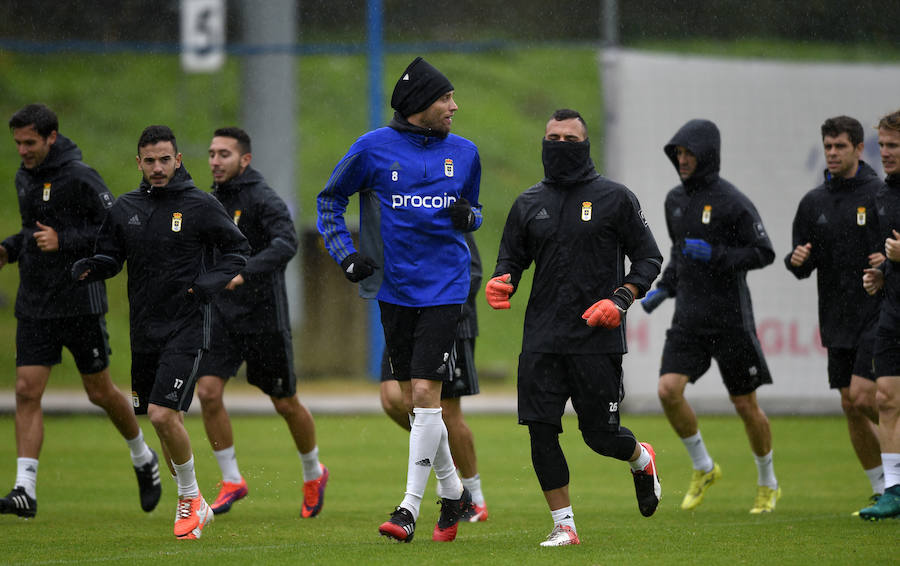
pixel 697 249
pixel 653 299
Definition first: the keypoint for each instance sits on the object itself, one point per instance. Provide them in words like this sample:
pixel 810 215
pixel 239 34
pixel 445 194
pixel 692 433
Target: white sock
pixel 228 464
pixel 140 452
pixel 311 468
pixel 564 517
pixel 700 458
pixel 765 469
pixel 448 483
pixel 186 479
pixel 876 478
pixel 473 484
pixel 891 463
pixel 424 439
pixel 641 461
pixel 26 475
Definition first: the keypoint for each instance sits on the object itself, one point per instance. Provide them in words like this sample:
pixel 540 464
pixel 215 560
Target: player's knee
pixel 286 406
pixel 100 396
pixel 209 391
pixel 614 444
pixel 161 417
pixel 27 392
pixel 746 406
pixel 670 390
pixel 547 456
pixel 887 399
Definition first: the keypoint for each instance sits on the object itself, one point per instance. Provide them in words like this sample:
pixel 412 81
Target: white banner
pixel 769 115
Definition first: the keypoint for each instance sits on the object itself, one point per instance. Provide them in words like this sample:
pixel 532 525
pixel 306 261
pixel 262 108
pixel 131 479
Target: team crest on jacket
pixel 176 222
pixel 237 216
pixel 586 211
pixel 861 216
pixel 46 195
pixel 707 212
pixel 448 167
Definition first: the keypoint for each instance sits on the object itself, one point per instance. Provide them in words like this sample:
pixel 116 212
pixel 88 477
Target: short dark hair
pixel 155 134
pixel 838 125
pixel 42 118
pixel 242 137
pixel 569 114
pixel 890 121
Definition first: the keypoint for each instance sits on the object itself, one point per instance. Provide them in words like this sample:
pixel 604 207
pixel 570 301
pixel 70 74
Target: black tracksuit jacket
pixel 888 202
pixel 167 235
pixel 578 236
pixel 713 296
pixel 839 219
pixel 70 197
pixel 260 305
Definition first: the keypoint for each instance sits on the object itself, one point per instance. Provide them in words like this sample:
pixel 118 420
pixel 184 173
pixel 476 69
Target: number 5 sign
pixel 202 35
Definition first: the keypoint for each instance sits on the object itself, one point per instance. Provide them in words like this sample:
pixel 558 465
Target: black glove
pixel 654 298
pixel 461 214
pixel 357 267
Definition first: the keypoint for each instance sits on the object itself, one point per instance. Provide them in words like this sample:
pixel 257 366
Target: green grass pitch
pixel 88 509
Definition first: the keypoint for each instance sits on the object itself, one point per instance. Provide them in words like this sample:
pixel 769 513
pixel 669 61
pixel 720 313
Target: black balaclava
pixel 566 162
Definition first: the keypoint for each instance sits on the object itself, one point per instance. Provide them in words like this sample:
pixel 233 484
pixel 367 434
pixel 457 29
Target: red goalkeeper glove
pixel 608 313
pixel 498 291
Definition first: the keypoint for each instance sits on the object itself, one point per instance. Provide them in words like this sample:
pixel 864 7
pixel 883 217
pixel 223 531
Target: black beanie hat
pixel 419 86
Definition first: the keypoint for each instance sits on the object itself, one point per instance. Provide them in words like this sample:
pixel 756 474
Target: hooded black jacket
pixel 838 218
pixel 888 202
pixel 70 197
pixel 260 304
pixel 711 296
pixel 167 235
pixel 578 235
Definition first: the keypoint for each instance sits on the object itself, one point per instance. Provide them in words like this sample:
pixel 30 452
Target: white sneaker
pixel 561 535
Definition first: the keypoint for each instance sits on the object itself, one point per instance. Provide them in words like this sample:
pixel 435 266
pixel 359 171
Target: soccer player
pixel 418 186
pixel 887 348
pixel 168 231
pixel 463 382
pixel 251 322
pixel 717 236
pixel 62 202
pixel 836 234
pixel 577 227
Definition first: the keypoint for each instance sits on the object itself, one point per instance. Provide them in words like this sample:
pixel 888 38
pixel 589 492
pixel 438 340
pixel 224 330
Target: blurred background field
pixel 111 70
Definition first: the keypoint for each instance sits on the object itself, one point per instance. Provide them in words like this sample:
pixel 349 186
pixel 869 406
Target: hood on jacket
pixel 61 152
pixel 700 137
pixel 250 176
pixel 181 181
pixel 401 124
pixel 864 173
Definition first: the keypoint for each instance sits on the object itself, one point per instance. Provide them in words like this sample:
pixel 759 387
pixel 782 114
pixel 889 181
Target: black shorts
pixel 593 382
pixel 420 340
pixel 39 342
pixel 166 377
pixel 846 362
pixel 269 357
pixel 738 355
pixel 464 379
pixel 886 355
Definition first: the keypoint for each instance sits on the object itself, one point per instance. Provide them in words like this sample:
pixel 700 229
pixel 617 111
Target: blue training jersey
pixel 406 180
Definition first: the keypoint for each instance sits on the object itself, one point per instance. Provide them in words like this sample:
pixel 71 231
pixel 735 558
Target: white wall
pixel 769 115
